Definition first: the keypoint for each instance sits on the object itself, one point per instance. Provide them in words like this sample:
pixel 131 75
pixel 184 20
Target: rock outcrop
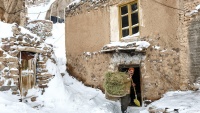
pixel 13 11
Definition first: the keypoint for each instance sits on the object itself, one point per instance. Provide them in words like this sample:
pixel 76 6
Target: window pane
pixel 135 29
pixel 124 10
pixel 125 21
pixel 125 32
pixel 134 18
pixel 134 7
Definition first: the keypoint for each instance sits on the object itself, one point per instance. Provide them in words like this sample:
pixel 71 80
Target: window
pixel 129 23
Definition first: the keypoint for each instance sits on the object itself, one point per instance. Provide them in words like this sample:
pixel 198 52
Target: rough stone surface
pixel 12 11
pixel 6 47
pixel 1 53
pixel 83 6
pixel 9 66
pixel 4 88
pixel 14 71
pixel 189 40
pixel 33 99
pixel 42 28
pixel 1 83
pixel 2 66
pixel 194 47
pixel 14 88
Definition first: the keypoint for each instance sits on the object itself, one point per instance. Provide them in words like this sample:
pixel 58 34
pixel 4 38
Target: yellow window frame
pixel 130 26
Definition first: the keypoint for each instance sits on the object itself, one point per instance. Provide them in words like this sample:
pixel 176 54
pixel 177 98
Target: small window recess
pixel 129 19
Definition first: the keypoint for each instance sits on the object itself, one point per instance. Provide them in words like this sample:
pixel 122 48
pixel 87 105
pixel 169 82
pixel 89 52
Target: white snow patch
pixel 156 47
pixel 184 101
pixel 139 44
pixel 39 12
pixel 197 7
pixel 5 30
pixel 74 2
pixel 131 36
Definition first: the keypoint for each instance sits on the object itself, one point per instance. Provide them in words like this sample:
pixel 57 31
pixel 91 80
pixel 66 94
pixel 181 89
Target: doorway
pixel 136 79
pixel 27 71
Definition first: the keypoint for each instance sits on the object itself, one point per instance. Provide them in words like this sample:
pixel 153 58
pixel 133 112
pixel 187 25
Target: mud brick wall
pixel 172 59
pixel 89 68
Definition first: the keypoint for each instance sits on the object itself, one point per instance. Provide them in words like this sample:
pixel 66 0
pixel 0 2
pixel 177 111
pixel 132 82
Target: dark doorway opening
pixel 136 79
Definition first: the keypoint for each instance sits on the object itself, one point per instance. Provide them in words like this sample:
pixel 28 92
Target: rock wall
pixel 42 28
pixel 13 11
pixel 162 69
pixel 190 24
pixel 10 60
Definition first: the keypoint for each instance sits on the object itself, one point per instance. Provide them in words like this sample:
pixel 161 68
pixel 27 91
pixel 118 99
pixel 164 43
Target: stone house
pixel 104 35
pixel 23 58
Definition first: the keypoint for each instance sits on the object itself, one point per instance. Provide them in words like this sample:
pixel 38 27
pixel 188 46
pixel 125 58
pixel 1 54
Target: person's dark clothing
pixel 125 102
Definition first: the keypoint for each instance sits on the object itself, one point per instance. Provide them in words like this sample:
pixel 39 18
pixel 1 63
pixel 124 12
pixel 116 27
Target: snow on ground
pixel 64 94
pixel 39 12
pixel 184 101
pixel 67 95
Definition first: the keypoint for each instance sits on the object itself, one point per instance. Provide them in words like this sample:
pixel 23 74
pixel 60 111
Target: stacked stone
pixel 9 73
pixel 42 28
pixel 84 5
pixel 88 5
pixel 43 76
pixel 9 62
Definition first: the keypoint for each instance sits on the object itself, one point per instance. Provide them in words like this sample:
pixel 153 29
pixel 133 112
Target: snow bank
pixel 5 30
pixel 183 101
pixel 64 94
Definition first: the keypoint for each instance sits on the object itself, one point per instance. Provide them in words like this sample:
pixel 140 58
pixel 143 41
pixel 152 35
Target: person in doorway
pixel 125 100
pixel 132 95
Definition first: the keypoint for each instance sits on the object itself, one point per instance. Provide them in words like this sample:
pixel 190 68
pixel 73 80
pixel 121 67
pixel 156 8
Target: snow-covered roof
pixel 138 46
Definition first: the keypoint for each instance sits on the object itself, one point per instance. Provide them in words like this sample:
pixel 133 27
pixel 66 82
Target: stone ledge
pixel 5 88
pixel 11 59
